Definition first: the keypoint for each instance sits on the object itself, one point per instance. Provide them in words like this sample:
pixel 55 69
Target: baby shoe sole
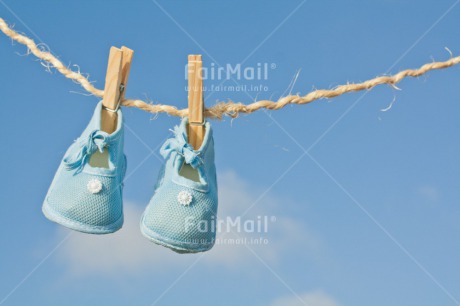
pixel 176 246
pixel 78 226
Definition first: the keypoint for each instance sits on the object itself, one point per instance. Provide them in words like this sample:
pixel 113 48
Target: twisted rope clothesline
pixel 230 108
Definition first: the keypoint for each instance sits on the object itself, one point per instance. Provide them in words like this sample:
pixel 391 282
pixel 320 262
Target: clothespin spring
pixel 122 89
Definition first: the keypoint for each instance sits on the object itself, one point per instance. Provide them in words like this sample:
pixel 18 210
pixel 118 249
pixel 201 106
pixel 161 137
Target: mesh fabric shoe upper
pixel 182 212
pixel 86 193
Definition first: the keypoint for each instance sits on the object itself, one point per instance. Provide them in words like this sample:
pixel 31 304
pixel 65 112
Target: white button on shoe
pixel 94 186
pixel 184 198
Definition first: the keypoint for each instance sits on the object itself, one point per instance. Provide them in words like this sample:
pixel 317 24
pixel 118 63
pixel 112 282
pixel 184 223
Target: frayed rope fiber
pixel 231 109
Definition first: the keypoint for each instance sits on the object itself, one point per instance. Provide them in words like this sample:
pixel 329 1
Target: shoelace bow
pixel 180 145
pixel 96 140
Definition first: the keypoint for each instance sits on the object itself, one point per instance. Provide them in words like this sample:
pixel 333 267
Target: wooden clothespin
pixel 116 81
pixel 196 129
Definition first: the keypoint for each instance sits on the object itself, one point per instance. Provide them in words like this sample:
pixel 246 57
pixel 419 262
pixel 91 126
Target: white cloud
pixel 129 251
pixel 124 250
pixel 236 196
pixel 312 298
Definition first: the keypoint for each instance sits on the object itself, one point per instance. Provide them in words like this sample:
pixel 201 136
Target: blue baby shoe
pixel 86 193
pixel 182 212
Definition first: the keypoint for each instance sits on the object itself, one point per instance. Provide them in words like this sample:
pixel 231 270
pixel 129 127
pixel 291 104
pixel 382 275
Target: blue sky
pixel 365 201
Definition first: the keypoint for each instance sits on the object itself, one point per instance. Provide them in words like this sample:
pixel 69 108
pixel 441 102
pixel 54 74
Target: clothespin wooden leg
pixel 125 68
pixel 116 80
pixel 196 130
pixel 111 91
